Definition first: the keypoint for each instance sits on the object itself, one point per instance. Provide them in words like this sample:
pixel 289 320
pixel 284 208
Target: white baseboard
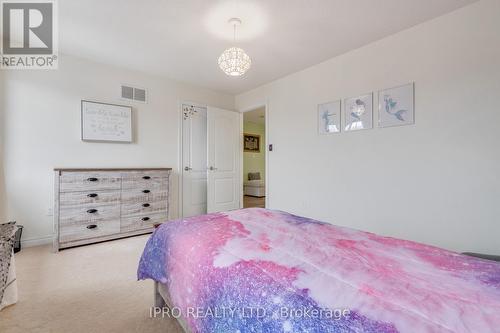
pixel 30 242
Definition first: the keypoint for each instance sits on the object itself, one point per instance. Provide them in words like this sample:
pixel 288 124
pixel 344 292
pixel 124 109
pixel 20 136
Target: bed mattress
pixel 257 270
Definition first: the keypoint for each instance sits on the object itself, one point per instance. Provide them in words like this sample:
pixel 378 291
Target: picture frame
pixel 329 117
pixel 396 106
pixel 105 122
pixel 358 113
pixel 251 143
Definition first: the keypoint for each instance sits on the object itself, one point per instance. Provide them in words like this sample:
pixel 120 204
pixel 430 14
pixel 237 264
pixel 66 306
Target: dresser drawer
pixel 81 230
pixel 138 195
pixel 96 198
pixel 153 175
pixel 144 221
pixel 157 184
pixel 147 207
pixel 89 181
pixel 88 213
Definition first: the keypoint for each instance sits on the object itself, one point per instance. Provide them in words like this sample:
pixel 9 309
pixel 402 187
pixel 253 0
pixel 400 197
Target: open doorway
pixel 254 158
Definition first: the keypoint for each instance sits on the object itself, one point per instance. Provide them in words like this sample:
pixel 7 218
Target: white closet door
pixel 223 160
pixel 194 161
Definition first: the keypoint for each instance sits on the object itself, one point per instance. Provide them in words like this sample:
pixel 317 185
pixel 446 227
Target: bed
pixel 258 270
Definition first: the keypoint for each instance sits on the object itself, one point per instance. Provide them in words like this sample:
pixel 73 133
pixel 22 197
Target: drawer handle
pixel 146 191
pixel 92 195
pixel 146 205
pixel 92 226
pixel 146 177
pixel 92 179
pixel 145 218
pixel 92 211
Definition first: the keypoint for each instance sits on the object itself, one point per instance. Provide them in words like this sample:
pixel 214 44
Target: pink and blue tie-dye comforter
pixel 257 270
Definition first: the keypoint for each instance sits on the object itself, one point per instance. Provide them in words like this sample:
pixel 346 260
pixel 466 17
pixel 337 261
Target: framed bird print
pixel 329 118
pixel 358 113
pixel 396 106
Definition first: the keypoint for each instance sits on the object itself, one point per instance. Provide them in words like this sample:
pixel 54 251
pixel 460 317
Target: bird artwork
pixel 329 117
pixel 390 108
pixel 327 121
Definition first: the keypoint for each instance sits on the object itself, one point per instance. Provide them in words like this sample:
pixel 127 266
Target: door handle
pixel 212 168
pixel 187 168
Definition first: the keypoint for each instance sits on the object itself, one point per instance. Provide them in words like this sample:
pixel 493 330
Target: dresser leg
pixel 158 299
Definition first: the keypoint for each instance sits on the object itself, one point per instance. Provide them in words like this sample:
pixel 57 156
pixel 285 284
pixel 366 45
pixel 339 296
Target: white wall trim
pixel 31 242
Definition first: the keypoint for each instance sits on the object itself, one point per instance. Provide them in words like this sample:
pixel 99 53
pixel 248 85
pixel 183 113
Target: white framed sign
pixel 106 122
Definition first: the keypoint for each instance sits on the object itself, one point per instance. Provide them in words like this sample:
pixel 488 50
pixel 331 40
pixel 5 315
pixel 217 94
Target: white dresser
pixel 94 205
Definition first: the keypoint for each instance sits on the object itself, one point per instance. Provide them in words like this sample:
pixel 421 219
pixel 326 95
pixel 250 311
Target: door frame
pixel 180 213
pixel 265 105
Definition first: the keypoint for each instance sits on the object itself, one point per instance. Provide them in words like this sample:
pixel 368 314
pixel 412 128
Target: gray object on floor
pixel 7 232
pixel 483 256
pixel 17 238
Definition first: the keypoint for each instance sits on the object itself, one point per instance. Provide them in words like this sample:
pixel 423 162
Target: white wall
pixel 437 181
pixel 42 131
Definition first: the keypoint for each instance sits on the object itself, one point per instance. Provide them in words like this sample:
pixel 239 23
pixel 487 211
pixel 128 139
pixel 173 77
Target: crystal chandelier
pixel 234 61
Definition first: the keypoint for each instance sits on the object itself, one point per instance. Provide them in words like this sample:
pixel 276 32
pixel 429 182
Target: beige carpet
pixel 86 289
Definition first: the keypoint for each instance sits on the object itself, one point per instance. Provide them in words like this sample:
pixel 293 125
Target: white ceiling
pixel 257 116
pixel 182 39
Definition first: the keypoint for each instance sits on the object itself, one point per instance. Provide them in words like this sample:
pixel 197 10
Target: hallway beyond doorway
pixel 249 201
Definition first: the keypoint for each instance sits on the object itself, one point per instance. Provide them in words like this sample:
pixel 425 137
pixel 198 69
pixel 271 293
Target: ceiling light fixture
pixel 234 61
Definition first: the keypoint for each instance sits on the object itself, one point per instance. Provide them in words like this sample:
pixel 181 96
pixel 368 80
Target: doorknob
pixel 187 168
pixel 212 168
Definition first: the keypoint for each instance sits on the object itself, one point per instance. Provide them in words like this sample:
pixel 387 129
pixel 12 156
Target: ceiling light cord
pixel 234 61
